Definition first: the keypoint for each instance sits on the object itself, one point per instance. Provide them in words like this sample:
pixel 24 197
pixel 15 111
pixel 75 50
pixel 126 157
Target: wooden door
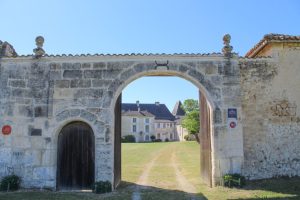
pixel 117 144
pixel 205 141
pixel 76 157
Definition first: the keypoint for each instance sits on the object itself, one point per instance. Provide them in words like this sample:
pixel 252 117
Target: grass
pixel 161 181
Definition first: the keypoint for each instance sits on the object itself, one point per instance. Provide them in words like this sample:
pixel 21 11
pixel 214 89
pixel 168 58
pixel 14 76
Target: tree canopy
pixel 191 119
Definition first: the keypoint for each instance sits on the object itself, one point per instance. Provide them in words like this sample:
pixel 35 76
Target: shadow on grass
pixel 287 187
pixel 126 191
pixel 150 192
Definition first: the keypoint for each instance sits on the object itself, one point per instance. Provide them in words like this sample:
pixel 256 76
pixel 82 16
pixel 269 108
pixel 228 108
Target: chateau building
pixel 146 120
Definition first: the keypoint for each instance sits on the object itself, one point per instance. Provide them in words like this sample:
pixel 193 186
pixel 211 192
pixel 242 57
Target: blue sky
pixel 152 26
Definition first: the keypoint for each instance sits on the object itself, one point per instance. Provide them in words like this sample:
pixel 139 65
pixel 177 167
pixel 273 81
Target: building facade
pixel 250 111
pixel 146 120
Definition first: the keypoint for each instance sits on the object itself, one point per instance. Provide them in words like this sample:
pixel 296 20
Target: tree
pixel 190 105
pixel 191 119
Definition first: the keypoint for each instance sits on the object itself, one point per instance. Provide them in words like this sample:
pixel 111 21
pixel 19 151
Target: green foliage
pixel 102 187
pixel 190 105
pixel 157 140
pixel 128 139
pixel 190 137
pixel 191 119
pixel 10 183
pixel 152 137
pixel 167 140
pixel 191 122
pixel 234 180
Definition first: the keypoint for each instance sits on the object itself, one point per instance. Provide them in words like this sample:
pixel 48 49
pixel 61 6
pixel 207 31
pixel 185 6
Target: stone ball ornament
pixel 39 40
pixel 39 51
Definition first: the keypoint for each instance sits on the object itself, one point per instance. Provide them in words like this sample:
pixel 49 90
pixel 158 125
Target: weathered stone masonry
pixel 39 96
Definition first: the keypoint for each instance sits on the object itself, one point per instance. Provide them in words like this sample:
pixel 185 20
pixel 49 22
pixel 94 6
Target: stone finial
pixel 39 51
pixel 7 50
pixel 227 48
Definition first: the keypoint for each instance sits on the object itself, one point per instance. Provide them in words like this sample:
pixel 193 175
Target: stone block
pixel 87 115
pixel 197 75
pixel 17 92
pixel 88 93
pixel 36 83
pixel 62 83
pixel 21 142
pixel 41 111
pixel 43 173
pixel 72 74
pixel 93 74
pixel 63 115
pixel 99 65
pixel 74 112
pixel 101 83
pixel 141 67
pixel 37 143
pixel 26 111
pixel 17 83
pixel 55 66
pixel 86 65
pixel 71 66
pixel 127 74
pixel 80 83
pixel 54 75
pixel 119 65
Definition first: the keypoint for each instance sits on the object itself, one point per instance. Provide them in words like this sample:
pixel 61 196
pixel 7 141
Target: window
pixel 133 120
pixel 171 125
pixel 171 136
pixel 134 128
pixel 158 125
pixel 164 125
pixel 147 137
pixel 147 128
pixel 147 120
pixel 158 135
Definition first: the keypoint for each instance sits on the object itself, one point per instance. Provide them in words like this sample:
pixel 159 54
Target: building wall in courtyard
pixel 271 112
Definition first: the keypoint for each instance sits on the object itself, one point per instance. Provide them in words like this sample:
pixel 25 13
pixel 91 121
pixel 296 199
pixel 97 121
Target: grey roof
pixel 160 111
pixel 177 110
pixel 137 113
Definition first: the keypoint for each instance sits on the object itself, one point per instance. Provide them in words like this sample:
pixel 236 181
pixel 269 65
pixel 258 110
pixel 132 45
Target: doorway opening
pixel 203 151
pixel 75 157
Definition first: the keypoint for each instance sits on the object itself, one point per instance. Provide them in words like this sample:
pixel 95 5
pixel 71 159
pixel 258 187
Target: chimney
pixel 157 103
pixel 138 106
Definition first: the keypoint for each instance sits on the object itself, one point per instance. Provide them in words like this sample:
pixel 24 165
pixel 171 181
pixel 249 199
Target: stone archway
pixel 209 93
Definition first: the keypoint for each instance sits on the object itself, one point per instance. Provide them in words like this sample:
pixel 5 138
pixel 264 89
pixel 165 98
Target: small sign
pixel 232 113
pixel 232 124
pixel 6 130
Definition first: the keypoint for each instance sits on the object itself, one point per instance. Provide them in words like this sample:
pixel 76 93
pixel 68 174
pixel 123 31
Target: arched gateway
pixel 249 113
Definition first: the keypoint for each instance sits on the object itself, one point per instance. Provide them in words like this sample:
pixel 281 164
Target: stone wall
pixel 271 123
pixel 40 96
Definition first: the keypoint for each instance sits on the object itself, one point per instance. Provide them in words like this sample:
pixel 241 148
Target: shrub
pixel 152 137
pixel 234 180
pixel 157 140
pixel 102 187
pixel 10 183
pixel 190 137
pixel 167 140
pixel 128 139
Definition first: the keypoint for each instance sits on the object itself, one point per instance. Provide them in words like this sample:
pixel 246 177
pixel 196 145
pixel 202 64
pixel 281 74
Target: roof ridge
pixel 271 37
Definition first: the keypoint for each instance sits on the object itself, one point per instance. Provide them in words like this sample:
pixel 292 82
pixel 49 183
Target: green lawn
pixel 155 163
